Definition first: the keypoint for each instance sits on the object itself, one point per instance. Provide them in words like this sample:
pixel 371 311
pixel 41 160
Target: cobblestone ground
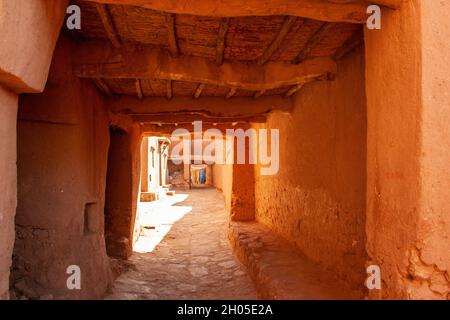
pixel 193 260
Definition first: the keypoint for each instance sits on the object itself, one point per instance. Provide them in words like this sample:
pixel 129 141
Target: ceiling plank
pixel 108 24
pixel 171 35
pixel 353 11
pixel 220 47
pixel 303 54
pixel 287 25
pixel 96 61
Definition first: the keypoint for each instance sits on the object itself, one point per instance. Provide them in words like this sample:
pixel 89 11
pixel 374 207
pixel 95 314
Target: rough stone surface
pixel 279 271
pixel 193 261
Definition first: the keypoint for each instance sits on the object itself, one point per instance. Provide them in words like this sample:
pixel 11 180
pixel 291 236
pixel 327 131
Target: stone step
pixel 279 271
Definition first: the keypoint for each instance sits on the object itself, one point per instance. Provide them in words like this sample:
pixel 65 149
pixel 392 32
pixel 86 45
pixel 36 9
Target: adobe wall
pixel 408 181
pixel 154 170
pixel 242 203
pixel 144 165
pixel 122 190
pixel 63 138
pixel 27 28
pixel 434 229
pixel 222 180
pixel 29 32
pixel 8 183
pixel 317 199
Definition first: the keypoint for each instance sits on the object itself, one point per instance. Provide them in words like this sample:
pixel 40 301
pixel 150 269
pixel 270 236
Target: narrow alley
pixel 193 260
pixel 224 149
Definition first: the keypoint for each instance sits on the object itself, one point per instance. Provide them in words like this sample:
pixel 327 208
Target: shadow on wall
pixel 119 195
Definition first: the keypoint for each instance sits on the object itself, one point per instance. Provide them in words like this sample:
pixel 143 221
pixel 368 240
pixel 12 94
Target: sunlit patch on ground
pixel 157 218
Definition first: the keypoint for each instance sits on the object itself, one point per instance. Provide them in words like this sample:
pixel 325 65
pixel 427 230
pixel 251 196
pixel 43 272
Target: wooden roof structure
pixel 245 40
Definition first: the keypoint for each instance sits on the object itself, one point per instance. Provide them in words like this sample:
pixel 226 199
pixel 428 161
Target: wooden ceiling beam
pixel 97 61
pixel 353 11
pixel 293 90
pixel 199 90
pixel 287 25
pixel 216 106
pixel 259 94
pixel 220 47
pixel 180 118
pixel 149 129
pixel 139 92
pixel 169 93
pixel 108 24
pixel 303 54
pixel 231 93
pixel 103 87
pixel 171 35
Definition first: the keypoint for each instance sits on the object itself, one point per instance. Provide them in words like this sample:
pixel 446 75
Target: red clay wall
pixel 144 165
pixel 8 182
pixel 222 180
pixel 317 199
pixel 29 31
pixel 408 181
pixel 122 190
pixel 63 137
pixel 434 230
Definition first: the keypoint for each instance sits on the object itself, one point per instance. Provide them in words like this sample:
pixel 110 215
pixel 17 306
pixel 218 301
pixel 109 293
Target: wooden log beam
pixel 220 47
pixel 288 22
pixel 139 92
pixel 149 129
pixel 108 24
pixel 259 94
pixel 171 35
pixel 101 84
pixel 303 54
pixel 216 106
pixel 199 90
pixel 189 118
pixel 231 93
pixel 100 61
pixel 353 11
pixel 293 90
pixel 169 93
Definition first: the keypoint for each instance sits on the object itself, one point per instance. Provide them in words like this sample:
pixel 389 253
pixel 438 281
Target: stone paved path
pixel 194 259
